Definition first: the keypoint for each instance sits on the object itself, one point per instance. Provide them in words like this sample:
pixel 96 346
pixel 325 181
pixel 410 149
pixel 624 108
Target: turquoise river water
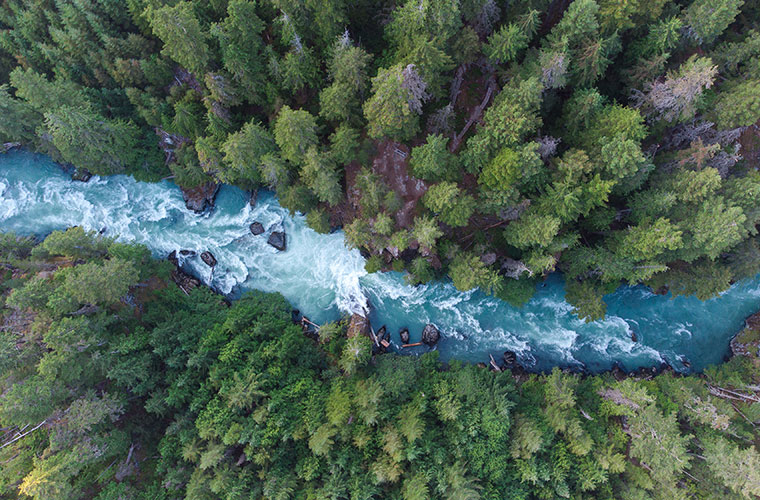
pixel 323 279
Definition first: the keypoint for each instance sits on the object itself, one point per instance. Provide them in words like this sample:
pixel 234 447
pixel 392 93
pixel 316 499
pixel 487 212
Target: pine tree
pixel 90 141
pixel 395 105
pixel 295 132
pixel 707 19
pixel 184 38
pixel 432 161
pixel 451 205
pixel 243 152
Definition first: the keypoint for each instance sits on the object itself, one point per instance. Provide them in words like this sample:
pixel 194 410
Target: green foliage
pixel 242 47
pixel 708 19
pixel 432 161
pixel 426 232
pixel 184 39
pixel 737 106
pixel 451 205
pixel 468 271
pixel 396 102
pixel 348 70
pixel 504 44
pixel 243 152
pixel 319 220
pixel 295 132
pixel 320 173
pixel 344 143
pixel 20 119
pixel 87 140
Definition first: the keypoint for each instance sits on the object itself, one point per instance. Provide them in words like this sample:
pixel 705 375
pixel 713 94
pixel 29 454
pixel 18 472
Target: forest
pixel 117 384
pixel 486 141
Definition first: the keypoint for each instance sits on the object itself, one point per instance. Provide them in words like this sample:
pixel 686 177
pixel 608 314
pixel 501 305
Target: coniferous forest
pixel 491 142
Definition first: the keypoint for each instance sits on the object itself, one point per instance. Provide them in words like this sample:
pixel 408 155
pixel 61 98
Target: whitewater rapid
pixel 324 279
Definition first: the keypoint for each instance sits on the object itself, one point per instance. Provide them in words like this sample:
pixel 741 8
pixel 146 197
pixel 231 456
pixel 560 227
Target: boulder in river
pixel 172 257
pixel 404 334
pixel 510 359
pixel 430 334
pixel 208 258
pixel 381 333
pixel 187 253
pixel 199 198
pixel 256 228
pixel 358 325
pixel 81 174
pixel 253 198
pixel 277 240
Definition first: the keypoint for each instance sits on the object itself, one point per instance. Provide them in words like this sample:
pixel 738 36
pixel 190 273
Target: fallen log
pixel 412 345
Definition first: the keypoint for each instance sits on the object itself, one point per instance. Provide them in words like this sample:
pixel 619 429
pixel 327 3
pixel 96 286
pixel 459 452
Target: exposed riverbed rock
pixel 358 325
pixel 200 198
pixel 253 198
pixel 404 334
pixel 277 240
pixel 382 333
pixel 209 259
pixel 430 335
pixel 256 228
pixel 187 253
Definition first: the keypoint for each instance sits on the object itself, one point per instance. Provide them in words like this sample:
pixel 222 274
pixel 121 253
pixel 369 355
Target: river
pixel 323 279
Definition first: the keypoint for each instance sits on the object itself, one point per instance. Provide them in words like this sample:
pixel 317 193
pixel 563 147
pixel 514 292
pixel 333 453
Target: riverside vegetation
pixel 493 142
pixel 119 384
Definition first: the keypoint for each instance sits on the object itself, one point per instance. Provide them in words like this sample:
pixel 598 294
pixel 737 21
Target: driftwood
pixel 495 366
pixel 412 345
pixel 305 321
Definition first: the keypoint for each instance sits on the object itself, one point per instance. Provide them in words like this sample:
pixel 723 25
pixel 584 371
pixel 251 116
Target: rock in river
pixel 256 228
pixel 404 334
pixel 277 240
pixel 510 359
pixel 358 325
pixel 208 258
pixel 81 175
pixel 199 198
pixel 430 334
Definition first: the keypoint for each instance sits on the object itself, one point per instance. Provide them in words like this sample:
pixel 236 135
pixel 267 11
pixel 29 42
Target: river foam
pixel 324 279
